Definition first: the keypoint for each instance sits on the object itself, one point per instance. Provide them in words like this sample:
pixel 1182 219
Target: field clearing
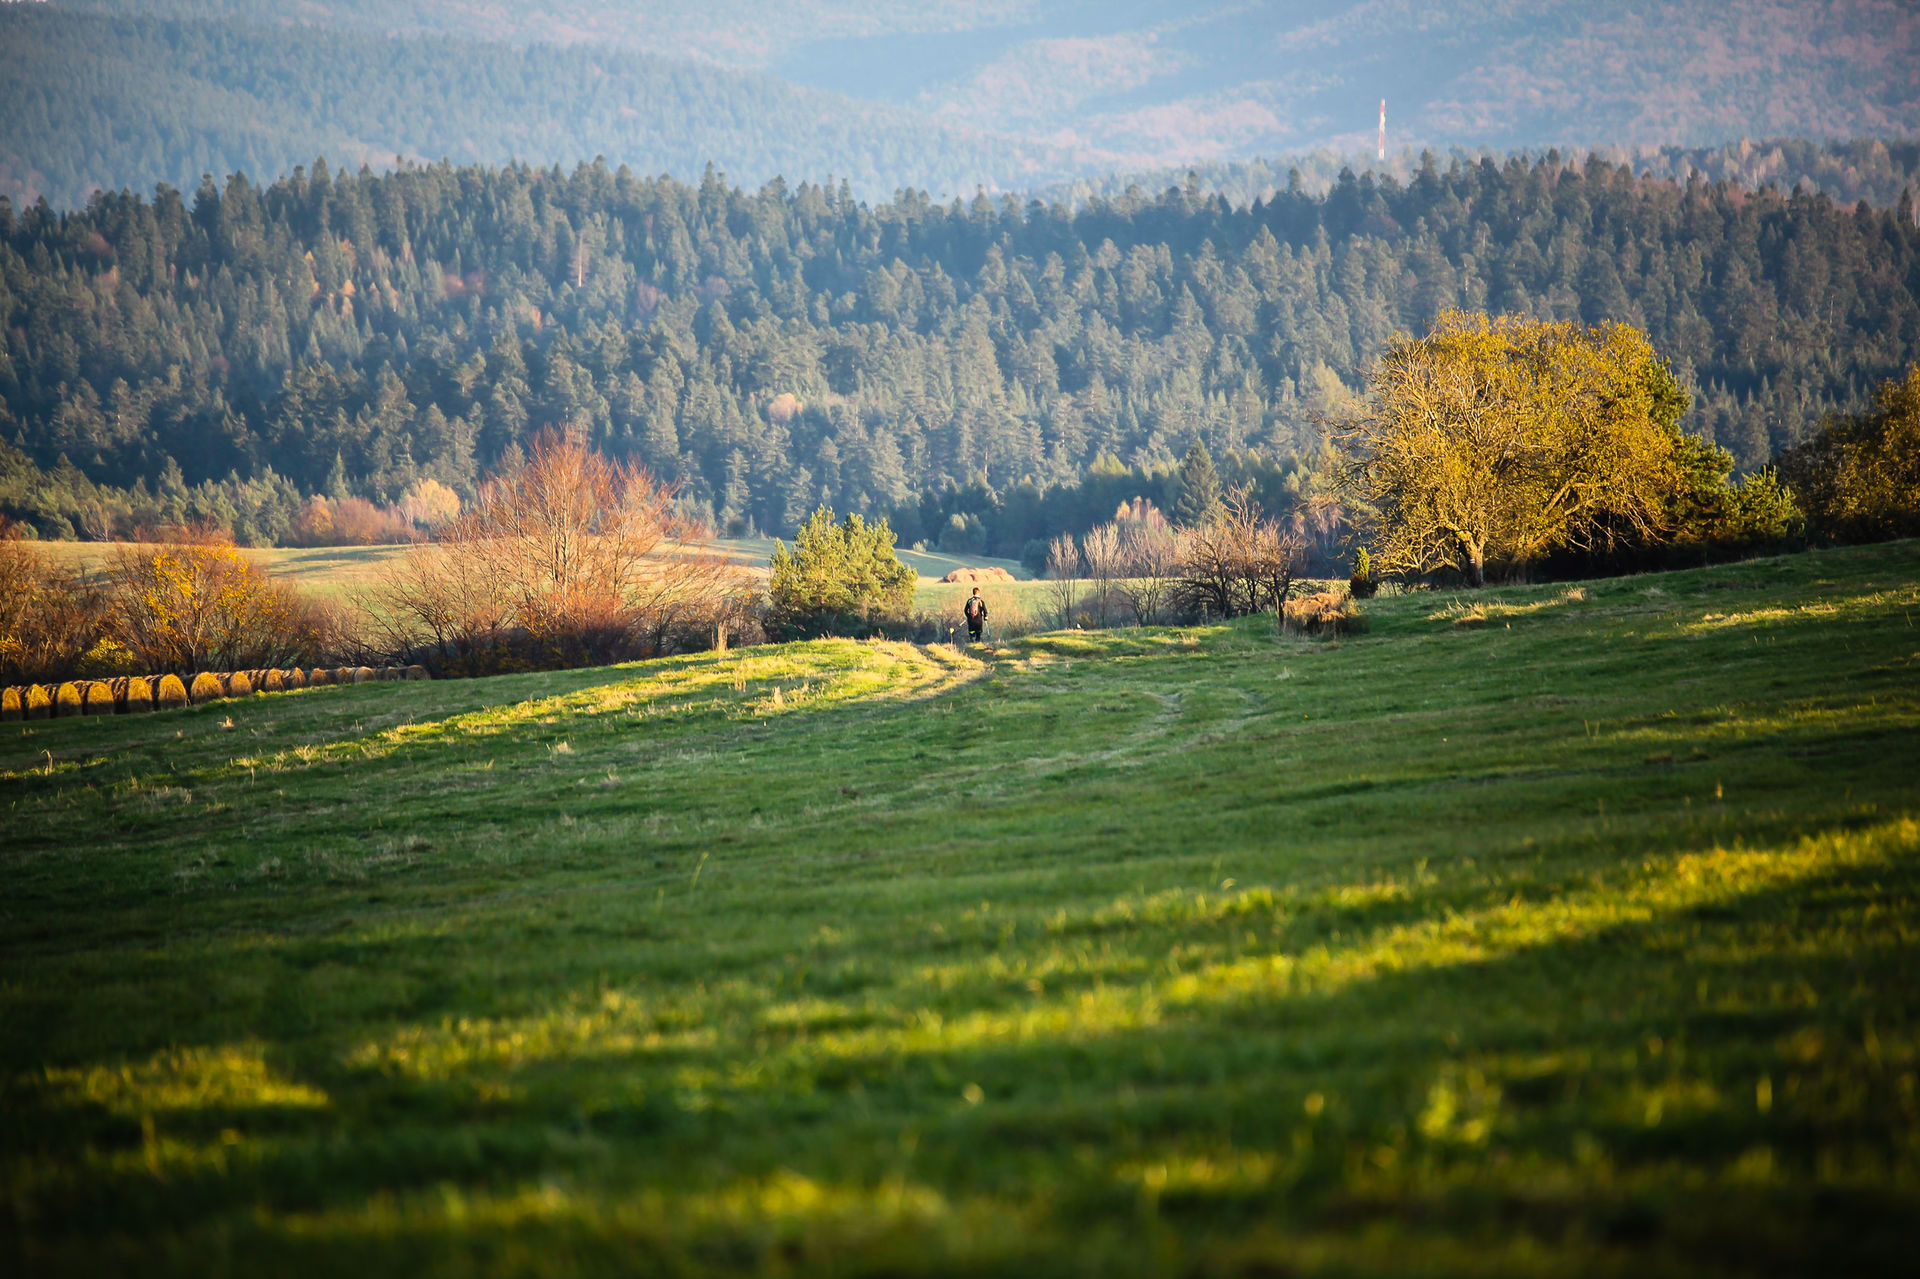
pixel 1545 930
pixel 335 572
pixel 932 565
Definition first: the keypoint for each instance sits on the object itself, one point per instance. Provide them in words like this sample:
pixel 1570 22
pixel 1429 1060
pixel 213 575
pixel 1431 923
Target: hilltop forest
pixel 769 350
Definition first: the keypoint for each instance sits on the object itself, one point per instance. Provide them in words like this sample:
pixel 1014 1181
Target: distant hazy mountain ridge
pixel 95 101
pixel 1135 84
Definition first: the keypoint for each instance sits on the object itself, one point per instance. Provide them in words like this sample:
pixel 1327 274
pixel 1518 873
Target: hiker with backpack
pixel 976 611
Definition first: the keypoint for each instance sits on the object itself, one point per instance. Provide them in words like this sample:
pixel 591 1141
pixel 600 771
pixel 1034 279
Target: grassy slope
pixel 1560 933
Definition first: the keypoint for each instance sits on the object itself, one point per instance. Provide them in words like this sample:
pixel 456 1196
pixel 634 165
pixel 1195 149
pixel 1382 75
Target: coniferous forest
pixel 222 353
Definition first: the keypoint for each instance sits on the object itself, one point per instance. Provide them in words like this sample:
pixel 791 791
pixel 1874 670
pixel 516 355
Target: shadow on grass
pixel 1719 1079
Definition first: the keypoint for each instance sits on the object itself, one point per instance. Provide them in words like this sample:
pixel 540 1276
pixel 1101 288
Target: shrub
pixel 37 702
pixel 97 696
pixel 1236 564
pixel 1362 585
pixel 138 696
pixel 358 522
pixel 206 687
pixel 1327 613
pixel 12 707
pixel 68 700
pixel 196 603
pixel 169 692
pixel 50 617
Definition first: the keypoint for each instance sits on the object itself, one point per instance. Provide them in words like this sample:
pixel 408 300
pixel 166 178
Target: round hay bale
pixel 319 677
pixel 273 682
pixel 68 700
pixel 386 673
pixel 169 692
pixel 206 687
pixel 363 675
pixel 137 698
pixel 238 684
pixel 97 697
pixel 12 706
pixel 416 672
pixel 119 685
pixel 343 674
pixel 294 678
pixel 37 702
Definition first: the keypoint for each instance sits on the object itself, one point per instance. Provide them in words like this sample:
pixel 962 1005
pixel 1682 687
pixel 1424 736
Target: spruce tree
pixel 1200 493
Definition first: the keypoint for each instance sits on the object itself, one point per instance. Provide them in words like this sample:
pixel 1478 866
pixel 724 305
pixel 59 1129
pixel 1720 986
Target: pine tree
pixel 1201 498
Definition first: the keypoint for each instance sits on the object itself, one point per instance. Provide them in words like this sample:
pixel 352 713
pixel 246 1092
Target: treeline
pixel 96 100
pixel 1877 170
pixel 352 334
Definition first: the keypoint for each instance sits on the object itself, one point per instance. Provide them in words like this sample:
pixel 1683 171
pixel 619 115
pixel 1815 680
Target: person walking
pixel 976 616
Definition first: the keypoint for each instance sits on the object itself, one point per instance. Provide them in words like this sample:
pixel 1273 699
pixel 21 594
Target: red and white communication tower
pixel 1383 128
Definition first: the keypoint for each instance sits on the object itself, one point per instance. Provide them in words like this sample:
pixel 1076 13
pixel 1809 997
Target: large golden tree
pixel 1493 440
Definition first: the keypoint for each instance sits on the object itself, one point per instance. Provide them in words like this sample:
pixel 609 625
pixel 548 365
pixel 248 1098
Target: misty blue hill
pixel 115 102
pixel 1136 84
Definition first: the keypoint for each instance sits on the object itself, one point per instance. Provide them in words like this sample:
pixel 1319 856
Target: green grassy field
pixel 1544 931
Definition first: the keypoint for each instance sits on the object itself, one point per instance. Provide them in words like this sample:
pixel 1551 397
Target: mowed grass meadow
pixel 341 572
pixel 1541 931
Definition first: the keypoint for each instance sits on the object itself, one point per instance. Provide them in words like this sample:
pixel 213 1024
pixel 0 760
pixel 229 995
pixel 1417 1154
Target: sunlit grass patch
pixel 227 1077
pixel 1467 613
pixel 782 1222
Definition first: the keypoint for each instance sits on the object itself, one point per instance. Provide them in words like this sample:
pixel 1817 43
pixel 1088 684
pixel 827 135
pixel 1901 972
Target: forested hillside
pixel 770 350
pixel 95 101
pixel 1134 84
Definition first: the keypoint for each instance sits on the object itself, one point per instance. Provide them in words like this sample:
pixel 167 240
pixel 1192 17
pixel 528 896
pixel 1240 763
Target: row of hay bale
pixel 128 694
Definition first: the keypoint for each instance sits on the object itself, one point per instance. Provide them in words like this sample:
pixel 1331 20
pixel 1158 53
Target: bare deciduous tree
pixel 1150 555
pixel 1100 548
pixel 49 615
pixel 1238 562
pixel 565 559
pixel 1064 566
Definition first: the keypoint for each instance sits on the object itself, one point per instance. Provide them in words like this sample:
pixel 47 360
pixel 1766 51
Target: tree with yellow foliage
pixel 194 602
pixel 1494 440
pixel 1859 477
